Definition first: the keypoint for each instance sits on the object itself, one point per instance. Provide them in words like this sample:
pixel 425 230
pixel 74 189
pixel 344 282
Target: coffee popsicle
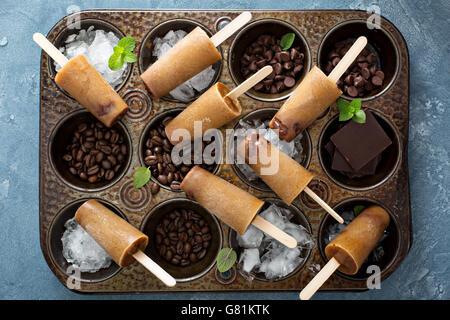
pixel 123 242
pixel 85 84
pixel 237 208
pixel 192 54
pixel 213 109
pixel 348 251
pixel 285 176
pixel 308 101
pixel 313 96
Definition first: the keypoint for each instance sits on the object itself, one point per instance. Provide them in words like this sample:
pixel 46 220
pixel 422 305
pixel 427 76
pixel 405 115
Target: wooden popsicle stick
pixel 250 82
pixel 274 232
pixel 50 49
pixel 348 59
pixel 319 279
pixel 154 268
pixel 231 28
pixel 324 205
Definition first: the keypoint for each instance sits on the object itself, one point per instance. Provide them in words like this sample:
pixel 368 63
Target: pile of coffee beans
pixel 287 64
pixel 183 237
pixel 96 153
pixel 361 77
pixel 157 156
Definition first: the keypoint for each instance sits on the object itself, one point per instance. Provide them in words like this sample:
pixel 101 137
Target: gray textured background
pixel 424 274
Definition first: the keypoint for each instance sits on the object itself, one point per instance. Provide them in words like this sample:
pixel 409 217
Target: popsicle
pixel 313 96
pixel 348 251
pixel 285 176
pixel 237 208
pixel 123 242
pixel 84 83
pixel 192 54
pixel 214 108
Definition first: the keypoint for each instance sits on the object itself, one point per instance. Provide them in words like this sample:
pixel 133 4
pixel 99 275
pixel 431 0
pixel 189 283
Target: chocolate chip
pixel 266 50
pixel 352 91
pixel 289 82
pixel 377 81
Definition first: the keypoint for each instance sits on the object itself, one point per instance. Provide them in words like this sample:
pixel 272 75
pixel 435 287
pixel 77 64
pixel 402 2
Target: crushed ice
pixel 81 250
pixel 97 46
pixel 264 254
pixel 186 91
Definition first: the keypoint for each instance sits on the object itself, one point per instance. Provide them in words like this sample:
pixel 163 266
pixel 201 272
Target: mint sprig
pixel 287 40
pixel 351 110
pixel 226 258
pixel 123 52
pixel 141 177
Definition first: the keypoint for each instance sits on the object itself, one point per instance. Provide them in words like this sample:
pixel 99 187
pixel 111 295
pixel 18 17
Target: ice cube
pixel 203 79
pixel 249 259
pixel 251 238
pixel 183 92
pixel 71 38
pixel 97 46
pixel 273 215
pixel 279 262
pixel 81 250
pixel 303 237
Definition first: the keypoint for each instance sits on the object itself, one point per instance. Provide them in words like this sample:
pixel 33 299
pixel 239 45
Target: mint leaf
pixel 141 177
pixel 226 259
pixel 344 116
pixel 358 209
pixel 127 43
pixel 351 110
pixel 359 117
pixel 287 40
pixel 118 50
pixel 342 105
pixel 130 57
pixel 116 61
pixel 355 105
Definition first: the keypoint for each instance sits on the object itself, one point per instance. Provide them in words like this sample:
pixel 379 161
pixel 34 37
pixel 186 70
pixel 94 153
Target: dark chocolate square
pixel 359 143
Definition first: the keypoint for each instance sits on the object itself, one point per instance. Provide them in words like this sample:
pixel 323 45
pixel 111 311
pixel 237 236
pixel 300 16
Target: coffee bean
pixel 168 255
pixel 83 176
pixel 93 170
pixel 177 245
pixel 206 237
pixel 185 262
pixel 201 254
pixel 193 257
pixel 109 174
pixel 154 188
pixel 205 229
pixel 106 164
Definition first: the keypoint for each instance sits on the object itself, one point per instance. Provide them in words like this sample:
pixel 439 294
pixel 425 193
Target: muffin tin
pixel 59 196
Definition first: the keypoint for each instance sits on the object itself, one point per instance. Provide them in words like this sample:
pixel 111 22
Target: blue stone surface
pixel 424 274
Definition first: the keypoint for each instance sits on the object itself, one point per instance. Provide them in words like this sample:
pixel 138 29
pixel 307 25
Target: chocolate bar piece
pixel 359 143
pixel 340 164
